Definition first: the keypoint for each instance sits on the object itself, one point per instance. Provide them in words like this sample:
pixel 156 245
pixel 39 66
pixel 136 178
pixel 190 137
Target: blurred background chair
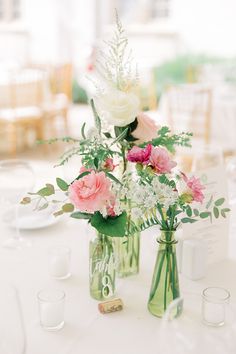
pixel 189 108
pixel 60 83
pixel 21 95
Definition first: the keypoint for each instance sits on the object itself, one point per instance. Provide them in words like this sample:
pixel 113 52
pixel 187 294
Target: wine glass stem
pixel 17 233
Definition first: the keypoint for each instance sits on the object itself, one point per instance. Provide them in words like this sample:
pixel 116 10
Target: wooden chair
pixel 60 78
pixel 20 112
pixel 189 108
pixel 147 90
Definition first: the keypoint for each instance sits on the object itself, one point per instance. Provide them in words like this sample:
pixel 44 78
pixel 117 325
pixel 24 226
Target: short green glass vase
pixel 165 282
pixel 102 272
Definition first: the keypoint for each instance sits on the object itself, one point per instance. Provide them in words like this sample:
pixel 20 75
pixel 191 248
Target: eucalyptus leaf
pixel 68 208
pixel 62 184
pixel 45 192
pixel 195 212
pixel 189 211
pixel 51 187
pixel 219 202
pixel 58 213
pixel 216 212
pixel 80 215
pixel 188 220
pixel 44 206
pixel 205 214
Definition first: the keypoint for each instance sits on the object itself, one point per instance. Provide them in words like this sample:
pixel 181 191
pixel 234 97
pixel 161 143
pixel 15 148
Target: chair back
pixel 61 79
pixel 189 109
pixel 24 88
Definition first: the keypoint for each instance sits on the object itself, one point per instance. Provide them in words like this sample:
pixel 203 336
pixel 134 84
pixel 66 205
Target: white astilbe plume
pixel 114 64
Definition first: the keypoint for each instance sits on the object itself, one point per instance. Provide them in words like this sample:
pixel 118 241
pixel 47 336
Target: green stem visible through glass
pixel 165 282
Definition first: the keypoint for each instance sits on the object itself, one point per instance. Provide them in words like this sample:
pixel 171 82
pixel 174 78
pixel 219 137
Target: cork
pixel 110 306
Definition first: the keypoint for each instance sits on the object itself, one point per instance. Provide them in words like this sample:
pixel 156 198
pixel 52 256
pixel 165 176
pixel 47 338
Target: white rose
pixel 118 108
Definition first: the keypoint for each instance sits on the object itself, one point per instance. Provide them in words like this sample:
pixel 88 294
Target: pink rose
pixel 146 129
pixel 109 165
pixel 91 192
pixel 160 161
pixel 194 188
pixel 137 154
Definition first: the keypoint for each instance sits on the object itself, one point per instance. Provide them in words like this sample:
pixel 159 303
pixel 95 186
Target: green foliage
pixel 166 139
pixel 46 191
pixel 113 178
pixel 188 220
pixel 205 214
pixel 111 226
pixel 68 208
pixel 80 215
pixel 62 184
pixel 219 202
pixel 216 212
pixel 96 117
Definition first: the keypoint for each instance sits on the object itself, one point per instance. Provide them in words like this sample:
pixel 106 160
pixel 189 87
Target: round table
pixel 131 331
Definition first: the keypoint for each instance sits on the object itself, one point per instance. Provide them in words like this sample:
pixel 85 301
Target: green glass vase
pixel 101 267
pixel 165 281
pixel 127 254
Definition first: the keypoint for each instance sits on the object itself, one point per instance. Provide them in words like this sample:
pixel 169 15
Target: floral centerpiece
pixel 120 201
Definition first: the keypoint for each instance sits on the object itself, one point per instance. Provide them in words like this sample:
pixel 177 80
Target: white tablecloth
pixel 131 331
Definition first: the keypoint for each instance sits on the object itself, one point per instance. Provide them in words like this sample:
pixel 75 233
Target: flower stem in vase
pixel 165 282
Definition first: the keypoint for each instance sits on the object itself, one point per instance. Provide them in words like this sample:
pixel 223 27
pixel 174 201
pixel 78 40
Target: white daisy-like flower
pixel 150 201
pixel 136 213
pixel 138 195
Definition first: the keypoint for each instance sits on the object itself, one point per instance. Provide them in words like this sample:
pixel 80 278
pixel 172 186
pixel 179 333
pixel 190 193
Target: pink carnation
pixel 137 154
pixel 146 129
pixel 195 188
pixel 91 192
pixel 160 161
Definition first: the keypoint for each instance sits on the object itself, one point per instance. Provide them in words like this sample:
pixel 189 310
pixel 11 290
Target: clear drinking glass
pixel 214 303
pixel 59 262
pixel 231 177
pixel 51 309
pixel 16 179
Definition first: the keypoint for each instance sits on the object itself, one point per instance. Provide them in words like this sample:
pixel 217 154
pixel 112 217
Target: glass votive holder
pixel 51 309
pixel 59 262
pixel 214 304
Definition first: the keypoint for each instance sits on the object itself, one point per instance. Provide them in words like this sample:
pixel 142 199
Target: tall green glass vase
pixel 127 250
pixel 165 281
pixel 101 267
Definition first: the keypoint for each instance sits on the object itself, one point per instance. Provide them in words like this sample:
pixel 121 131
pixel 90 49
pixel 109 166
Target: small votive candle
pixel 51 309
pixel 59 262
pixel 214 304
